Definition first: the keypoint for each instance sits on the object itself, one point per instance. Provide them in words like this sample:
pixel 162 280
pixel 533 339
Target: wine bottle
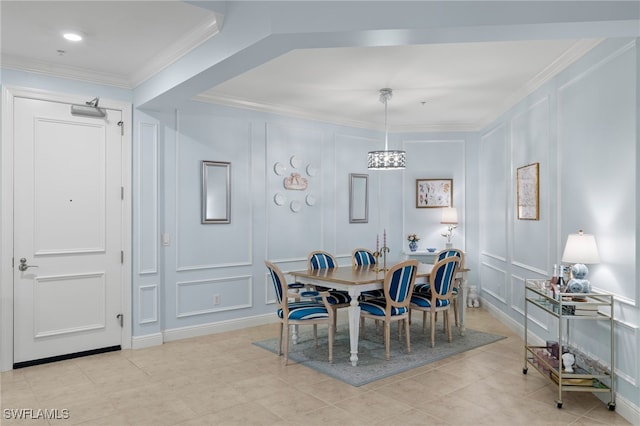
pixel 554 277
pixel 561 283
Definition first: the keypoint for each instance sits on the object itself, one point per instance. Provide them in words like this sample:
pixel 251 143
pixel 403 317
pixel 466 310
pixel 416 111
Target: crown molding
pixel 575 52
pixel 168 56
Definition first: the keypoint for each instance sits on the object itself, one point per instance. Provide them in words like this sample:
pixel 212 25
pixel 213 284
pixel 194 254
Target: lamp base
pixel 448 245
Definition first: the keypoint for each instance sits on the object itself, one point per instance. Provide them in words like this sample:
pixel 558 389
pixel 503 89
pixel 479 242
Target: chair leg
pixel 424 322
pixel 407 327
pixel 280 339
pixel 331 337
pixel 286 345
pixel 315 335
pixel 433 328
pixel 387 338
pixel 455 310
pixel 448 325
pixel 362 327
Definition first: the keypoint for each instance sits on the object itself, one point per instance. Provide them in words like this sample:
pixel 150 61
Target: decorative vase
pixel 413 246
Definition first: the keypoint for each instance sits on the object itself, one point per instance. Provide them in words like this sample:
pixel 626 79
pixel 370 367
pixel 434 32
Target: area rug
pixel 372 365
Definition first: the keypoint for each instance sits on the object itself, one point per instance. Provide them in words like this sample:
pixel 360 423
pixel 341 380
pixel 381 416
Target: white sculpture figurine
pixel 473 301
pixel 568 360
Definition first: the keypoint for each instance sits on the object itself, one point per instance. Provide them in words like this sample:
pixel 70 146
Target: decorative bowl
pixel 431 249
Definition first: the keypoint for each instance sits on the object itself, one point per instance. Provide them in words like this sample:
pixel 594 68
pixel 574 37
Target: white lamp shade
pixel 581 248
pixel 449 215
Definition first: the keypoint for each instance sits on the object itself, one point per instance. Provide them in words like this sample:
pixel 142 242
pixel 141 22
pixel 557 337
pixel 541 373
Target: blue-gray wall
pixel 582 127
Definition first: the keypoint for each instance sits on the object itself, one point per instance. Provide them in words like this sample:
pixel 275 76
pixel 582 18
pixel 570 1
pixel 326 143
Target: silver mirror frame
pixel 358 198
pixel 216 192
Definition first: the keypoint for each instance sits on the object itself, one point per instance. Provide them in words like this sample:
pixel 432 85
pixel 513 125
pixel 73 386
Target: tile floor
pixel 224 380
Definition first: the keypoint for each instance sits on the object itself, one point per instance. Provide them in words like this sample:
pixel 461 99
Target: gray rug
pixel 372 365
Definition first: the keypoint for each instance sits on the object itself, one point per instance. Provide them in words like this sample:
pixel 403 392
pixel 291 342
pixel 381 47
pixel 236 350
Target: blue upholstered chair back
pixel 449 253
pixel 277 279
pixel 400 282
pixel 362 257
pixel 443 275
pixel 321 260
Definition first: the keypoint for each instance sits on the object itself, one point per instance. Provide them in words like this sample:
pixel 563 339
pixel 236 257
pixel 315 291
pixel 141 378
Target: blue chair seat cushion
pixel 377 307
pixel 305 311
pixel 337 297
pixel 296 285
pixel 424 301
pixel 373 294
pixel 422 288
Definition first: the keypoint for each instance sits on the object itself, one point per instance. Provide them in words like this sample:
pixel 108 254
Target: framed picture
pixel 432 193
pixel 528 192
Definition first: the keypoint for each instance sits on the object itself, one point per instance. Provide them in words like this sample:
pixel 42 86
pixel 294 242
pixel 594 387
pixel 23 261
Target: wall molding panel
pixel 147 202
pixel 489 275
pixel 148 304
pixel 196 297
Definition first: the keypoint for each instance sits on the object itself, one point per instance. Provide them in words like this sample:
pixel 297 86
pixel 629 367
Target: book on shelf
pixel 581 311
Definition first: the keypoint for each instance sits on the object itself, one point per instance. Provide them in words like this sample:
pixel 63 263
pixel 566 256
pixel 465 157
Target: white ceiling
pixel 436 87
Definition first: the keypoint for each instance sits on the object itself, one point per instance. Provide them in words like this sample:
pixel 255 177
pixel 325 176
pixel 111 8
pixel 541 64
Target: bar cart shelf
pixel 588 375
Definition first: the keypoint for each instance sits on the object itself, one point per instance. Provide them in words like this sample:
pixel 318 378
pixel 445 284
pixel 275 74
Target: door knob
pixel 23 265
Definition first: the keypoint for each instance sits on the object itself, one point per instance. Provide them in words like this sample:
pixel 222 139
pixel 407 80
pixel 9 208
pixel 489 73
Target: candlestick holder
pixel 382 252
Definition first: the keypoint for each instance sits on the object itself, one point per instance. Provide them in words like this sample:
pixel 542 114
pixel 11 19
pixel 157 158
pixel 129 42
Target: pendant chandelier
pixel 386 160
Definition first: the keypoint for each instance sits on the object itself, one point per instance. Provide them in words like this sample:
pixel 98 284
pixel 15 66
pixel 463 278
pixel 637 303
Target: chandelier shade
pixel 387 159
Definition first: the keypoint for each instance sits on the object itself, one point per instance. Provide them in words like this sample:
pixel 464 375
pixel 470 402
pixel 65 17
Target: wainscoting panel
pixel 147 200
pixel 213 295
pixel 147 304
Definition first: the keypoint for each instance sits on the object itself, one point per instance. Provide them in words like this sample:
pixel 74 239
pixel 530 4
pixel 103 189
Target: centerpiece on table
pixel 413 241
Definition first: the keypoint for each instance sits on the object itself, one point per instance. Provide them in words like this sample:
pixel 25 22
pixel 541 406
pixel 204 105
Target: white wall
pixel 582 128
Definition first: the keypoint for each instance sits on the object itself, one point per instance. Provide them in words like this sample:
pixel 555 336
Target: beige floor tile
pixel 225 380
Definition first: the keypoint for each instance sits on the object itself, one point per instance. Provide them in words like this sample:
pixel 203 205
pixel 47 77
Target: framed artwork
pixel 528 192
pixel 431 193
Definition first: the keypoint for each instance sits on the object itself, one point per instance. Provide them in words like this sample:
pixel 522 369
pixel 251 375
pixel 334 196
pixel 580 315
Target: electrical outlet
pixel 216 299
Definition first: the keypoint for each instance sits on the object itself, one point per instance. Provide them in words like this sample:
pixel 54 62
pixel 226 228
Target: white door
pixel 68 219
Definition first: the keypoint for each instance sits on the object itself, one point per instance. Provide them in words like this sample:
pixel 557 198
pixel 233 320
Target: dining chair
pixel 397 287
pixel 300 312
pixel 426 287
pixel 442 279
pixel 321 260
pixel 364 257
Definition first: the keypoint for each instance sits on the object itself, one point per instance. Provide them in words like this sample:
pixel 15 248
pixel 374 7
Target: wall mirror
pixel 216 192
pixel 358 198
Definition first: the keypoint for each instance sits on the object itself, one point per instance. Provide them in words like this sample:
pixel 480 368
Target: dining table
pixel 358 279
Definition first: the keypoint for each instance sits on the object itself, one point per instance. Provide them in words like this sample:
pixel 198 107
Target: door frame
pixel 9 93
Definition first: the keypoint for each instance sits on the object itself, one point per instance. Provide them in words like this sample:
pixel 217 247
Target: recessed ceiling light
pixel 72 36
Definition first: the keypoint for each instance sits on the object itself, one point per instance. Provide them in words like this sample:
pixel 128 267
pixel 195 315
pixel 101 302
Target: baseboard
pixel 217 327
pixel 146 341
pixel 624 407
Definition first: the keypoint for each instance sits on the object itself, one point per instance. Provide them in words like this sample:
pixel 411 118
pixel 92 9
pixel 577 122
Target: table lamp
pixel 580 249
pixel 449 217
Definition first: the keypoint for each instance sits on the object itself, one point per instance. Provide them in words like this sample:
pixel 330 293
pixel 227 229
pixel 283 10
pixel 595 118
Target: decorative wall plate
pixel 310 199
pixel 279 199
pixel 311 170
pixel 295 206
pixel 295 162
pixel 280 169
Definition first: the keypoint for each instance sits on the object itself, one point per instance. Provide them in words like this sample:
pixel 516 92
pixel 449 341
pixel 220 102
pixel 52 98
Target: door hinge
pixel 121 256
pixel 121 318
pixel 122 192
pixel 121 124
